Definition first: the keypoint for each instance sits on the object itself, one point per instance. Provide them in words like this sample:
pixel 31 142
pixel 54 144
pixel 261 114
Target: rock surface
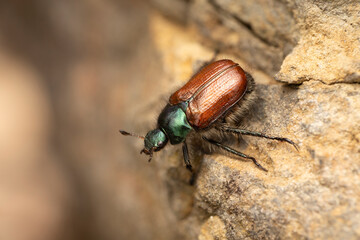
pixel 296 40
pixel 312 193
pixel 329 47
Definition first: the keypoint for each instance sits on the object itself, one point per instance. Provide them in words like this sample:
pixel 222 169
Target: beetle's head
pixel 154 141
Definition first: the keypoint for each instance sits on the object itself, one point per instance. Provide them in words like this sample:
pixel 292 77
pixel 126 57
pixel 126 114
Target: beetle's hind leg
pixel 233 151
pixel 258 134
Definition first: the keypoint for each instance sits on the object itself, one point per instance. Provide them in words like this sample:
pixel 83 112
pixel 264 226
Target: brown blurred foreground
pixel 66 67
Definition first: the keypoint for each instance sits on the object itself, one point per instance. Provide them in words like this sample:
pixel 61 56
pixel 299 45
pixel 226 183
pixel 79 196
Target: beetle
pixel 206 111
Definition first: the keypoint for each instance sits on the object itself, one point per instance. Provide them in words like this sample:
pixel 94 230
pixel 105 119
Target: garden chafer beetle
pixel 207 110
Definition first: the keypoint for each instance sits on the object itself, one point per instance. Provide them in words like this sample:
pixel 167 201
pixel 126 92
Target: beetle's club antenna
pixel 130 134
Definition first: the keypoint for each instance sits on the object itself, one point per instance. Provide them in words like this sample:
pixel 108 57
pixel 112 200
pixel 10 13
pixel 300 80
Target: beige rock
pixel 329 48
pixel 305 40
pixel 213 229
pixel 313 193
pixel 309 194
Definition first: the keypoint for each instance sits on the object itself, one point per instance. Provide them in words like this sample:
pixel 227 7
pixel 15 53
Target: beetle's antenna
pixel 130 134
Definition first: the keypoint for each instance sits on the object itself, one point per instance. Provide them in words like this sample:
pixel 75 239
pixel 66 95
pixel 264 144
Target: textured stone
pixel 329 47
pixel 213 229
pixel 319 40
pixel 312 193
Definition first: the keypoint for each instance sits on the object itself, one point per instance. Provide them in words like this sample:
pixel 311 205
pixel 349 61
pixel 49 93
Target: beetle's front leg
pixel 186 156
pixel 188 164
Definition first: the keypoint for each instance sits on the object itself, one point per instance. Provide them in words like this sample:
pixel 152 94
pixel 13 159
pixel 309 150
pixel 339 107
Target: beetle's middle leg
pixel 233 151
pixel 257 134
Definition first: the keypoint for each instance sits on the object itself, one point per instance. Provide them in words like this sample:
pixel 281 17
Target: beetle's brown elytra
pixel 206 110
pixel 211 92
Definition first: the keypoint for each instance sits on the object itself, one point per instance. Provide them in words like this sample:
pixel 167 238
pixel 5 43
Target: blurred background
pixel 70 71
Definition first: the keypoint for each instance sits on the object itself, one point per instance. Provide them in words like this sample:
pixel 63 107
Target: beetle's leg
pixel 258 134
pixel 233 151
pixel 186 157
pixel 188 164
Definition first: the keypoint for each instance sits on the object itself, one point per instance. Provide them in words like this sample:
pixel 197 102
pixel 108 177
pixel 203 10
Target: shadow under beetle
pixel 206 112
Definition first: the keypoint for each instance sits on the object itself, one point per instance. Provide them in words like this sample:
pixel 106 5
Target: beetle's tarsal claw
pixel 292 143
pixel 262 168
pixel 258 164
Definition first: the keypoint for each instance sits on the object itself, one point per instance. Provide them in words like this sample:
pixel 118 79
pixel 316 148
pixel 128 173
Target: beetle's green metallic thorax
pixel 172 120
